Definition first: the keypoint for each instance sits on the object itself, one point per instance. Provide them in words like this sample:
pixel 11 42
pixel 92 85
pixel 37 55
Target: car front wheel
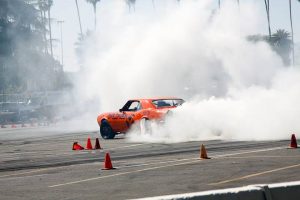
pixel 106 130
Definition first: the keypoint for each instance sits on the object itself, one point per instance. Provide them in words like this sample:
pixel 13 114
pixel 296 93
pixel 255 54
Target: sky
pixel 66 10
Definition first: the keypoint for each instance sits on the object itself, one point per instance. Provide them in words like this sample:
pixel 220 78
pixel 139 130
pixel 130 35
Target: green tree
pixel 24 64
pixel 280 42
pixel 94 3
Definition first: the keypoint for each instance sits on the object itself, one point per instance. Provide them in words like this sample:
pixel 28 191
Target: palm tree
pixel 42 8
pixel 153 4
pixel 45 6
pixel 94 3
pixel 49 4
pixel 131 3
pixel 267 5
pixel 282 44
pixel 292 31
pixel 78 14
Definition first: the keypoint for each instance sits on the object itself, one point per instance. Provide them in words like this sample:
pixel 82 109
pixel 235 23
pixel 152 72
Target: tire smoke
pixel 235 89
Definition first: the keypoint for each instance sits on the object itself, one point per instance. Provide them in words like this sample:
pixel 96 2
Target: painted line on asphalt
pixel 263 157
pixel 22 173
pixel 180 160
pixel 124 173
pixel 194 160
pixel 246 152
pixel 133 145
pixel 256 174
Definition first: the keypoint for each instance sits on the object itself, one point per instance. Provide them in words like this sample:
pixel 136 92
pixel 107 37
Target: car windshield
pixel 160 103
pixel 132 106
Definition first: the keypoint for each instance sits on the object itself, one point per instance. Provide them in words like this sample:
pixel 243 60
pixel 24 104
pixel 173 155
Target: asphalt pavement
pixel 41 164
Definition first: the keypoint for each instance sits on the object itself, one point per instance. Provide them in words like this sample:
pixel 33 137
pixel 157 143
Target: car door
pixel 132 112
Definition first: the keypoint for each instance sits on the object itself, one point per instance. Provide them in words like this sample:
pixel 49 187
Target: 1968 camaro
pixel 136 111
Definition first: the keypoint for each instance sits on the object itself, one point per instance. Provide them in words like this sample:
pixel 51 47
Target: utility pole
pixel 60 23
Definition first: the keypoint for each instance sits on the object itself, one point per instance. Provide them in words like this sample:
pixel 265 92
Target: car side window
pixel 135 105
pixel 162 103
pixel 178 102
pixel 132 106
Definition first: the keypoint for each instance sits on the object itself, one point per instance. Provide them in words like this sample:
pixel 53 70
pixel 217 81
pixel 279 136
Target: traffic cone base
pixel 97 144
pixel 108 168
pixel 293 144
pixel 203 153
pixel 89 144
pixel 107 163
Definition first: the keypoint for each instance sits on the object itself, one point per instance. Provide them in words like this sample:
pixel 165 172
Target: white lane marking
pixel 256 174
pixel 22 173
pixel 246 152
pixel 22 177
pixel 119 174
pixel 133 145
pixel 178 160
pixel 194 160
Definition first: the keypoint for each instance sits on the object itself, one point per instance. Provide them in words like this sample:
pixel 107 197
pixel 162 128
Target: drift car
pixel 135 111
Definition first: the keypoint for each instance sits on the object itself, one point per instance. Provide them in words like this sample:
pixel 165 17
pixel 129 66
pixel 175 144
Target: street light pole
pixel 60 23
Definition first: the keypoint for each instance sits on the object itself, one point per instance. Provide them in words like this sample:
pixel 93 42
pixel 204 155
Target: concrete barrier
pixel 281 191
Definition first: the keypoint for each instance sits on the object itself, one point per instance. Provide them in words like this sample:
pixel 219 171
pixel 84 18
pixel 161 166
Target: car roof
pixel 151 99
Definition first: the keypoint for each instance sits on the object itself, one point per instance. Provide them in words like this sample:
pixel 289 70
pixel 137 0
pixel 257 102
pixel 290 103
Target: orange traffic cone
pixel 89 144
pixel 203 154
pixel 107 163
pixel 77 147
pixel 293 142
pixel 97 144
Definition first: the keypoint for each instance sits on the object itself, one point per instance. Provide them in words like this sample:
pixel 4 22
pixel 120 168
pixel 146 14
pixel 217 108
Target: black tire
pixel 106 131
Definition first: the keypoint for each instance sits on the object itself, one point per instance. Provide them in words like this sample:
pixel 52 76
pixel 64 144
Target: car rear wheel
pixel 145 126
pixel 106 130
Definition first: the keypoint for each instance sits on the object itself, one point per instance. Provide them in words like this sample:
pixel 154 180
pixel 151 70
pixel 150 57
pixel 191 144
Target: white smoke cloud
pixel 234 89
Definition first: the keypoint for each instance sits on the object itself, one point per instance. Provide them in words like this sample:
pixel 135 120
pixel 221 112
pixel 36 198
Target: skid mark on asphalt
pixel 193 160
pixel 256 174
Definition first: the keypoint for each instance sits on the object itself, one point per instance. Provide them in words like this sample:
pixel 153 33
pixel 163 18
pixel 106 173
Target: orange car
pixel 136 111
